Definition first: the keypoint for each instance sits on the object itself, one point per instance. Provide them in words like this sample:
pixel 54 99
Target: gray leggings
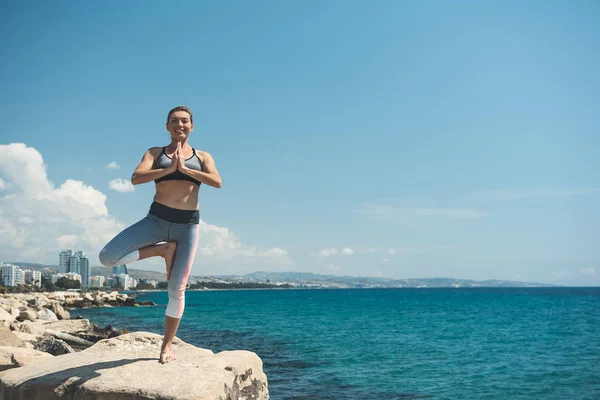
pixel 162 224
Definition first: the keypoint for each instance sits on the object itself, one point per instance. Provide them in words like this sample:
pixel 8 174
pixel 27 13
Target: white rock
pixel 6 318
pixel 8 338
pixel 13 357
pixel 29 338
pixel 34 328
pixel 46 315
pixel 27 315
pixel 69 325
pixel 126 367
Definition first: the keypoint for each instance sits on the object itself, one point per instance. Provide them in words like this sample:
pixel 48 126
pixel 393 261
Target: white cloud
pixel 121 185
pixel 27 171
pixel 388 213
pixel 3 184
pixel 276 252
pixel 223 245
pixel 38 220
pixel 333 251
pixel 67 241
pixel 588 271
pixel 385 260
pixel 384 251
pixel 113 165
pixel 327 252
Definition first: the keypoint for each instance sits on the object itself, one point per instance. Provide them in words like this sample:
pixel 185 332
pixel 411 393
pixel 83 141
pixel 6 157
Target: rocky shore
pixel 45 354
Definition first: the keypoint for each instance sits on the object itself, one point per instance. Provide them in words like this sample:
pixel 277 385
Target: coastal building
pixel 112 281
pixel 97 281
pixel 76 262
pixel 33 278
pixel 69 275
pixel 123 281
pixel 126 282
pixel 85 271
pixel 147 281
pixel 64 260
pixel 120 269
pixel 12 275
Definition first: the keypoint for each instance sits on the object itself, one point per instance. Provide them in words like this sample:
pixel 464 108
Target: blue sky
pixel 386 138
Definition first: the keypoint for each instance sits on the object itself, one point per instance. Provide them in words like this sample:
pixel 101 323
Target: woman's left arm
pixel 209 174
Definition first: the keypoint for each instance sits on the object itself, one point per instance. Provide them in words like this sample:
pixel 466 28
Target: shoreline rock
pixel 44 354
pixel 127 367
pixel 33 318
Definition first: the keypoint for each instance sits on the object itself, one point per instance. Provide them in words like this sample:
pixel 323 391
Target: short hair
pixel 180 108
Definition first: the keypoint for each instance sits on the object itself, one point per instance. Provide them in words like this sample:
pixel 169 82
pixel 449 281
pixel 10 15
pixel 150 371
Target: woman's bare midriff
pixel 182 195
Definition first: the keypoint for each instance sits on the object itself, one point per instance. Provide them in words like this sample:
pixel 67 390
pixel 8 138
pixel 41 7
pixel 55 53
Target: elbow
pixel 217 183
pixel 134 180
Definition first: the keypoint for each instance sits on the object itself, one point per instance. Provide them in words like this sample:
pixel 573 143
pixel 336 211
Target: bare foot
pixel 166 355
pixel 169 256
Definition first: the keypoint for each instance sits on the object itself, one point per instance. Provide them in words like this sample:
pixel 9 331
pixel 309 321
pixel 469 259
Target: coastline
pixel 42 320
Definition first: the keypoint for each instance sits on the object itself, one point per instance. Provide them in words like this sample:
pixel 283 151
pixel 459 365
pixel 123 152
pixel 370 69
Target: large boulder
pixel 15 312
pixel 6 318
pixel 56 296
pixel 27 315
pixel 34 328
pixel 58 310
pixel 56 347
pixel 13 357
pixel 45 314
pixel 127 367
pixel 7 338
pixel 30 339
pixel 70 325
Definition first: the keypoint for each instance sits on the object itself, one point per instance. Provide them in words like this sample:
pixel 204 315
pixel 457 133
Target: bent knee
pixel 176 294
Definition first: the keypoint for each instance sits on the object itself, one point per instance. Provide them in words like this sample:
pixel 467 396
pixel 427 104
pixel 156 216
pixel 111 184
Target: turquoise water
pixel 538 343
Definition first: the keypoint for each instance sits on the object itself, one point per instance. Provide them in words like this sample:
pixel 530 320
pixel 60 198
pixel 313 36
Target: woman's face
pixel 180 125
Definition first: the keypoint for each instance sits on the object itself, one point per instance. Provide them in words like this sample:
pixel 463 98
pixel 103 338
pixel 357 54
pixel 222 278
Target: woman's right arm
pixel 144 172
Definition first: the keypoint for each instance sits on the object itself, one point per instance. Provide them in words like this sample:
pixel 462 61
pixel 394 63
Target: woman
pixel 170 230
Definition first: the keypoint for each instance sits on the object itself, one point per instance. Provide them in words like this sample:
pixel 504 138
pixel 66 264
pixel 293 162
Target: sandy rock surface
pixel 127 367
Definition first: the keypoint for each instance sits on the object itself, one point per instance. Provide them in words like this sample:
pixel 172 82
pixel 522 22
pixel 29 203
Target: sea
pixel 446 343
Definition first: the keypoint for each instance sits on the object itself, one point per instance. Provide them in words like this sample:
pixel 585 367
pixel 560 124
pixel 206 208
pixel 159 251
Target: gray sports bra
pixel 164 161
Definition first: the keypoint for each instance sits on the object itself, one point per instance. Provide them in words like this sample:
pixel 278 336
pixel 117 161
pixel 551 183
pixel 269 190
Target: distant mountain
pixel 35 266
pixel 311 279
